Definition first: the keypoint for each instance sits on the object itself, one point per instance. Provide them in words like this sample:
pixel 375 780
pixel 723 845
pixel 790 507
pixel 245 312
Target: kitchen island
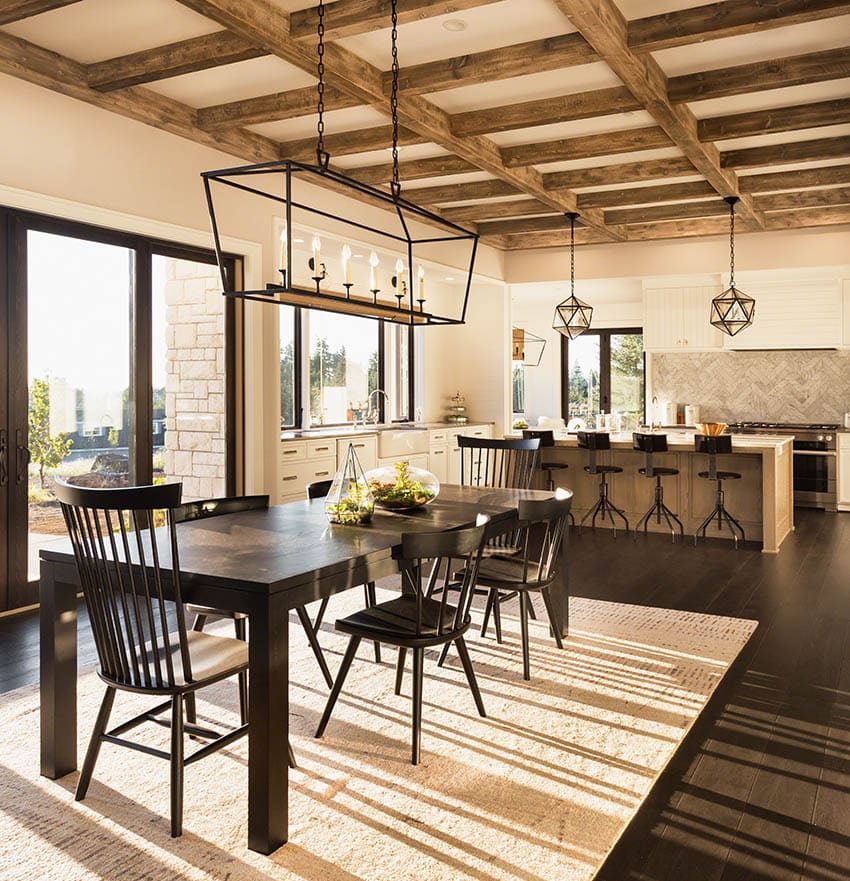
pixel 762 501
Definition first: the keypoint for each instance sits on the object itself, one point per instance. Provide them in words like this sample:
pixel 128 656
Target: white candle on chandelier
pixel 399 269
pixel 373 275
pixel 346 264
pixel 421 276
pixel 317 256
pixel 283 255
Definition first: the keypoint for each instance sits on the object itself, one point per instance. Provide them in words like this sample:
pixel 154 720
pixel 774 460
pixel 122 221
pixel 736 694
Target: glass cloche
pixel 402 487
pixel 349 500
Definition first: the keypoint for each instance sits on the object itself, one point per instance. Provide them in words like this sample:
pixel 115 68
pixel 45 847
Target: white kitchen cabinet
pixel 418 460
pixel 438 462
pixel 677 319
pixel 366 449
pixel 844 472
pixel 792 313
pixel 845 336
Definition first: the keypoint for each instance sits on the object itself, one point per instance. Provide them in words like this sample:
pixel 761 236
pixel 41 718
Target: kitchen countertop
pixel 350 431
pixel 683 441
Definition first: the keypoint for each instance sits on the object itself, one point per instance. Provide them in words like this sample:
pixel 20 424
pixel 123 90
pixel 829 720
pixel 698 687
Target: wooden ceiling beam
pixel 351 143
pixel 782 154
pixel 608 144
pixel 604 27
pixel 827 216
pixel 264 23
pixel 549 239
pixel 272 108
pixel 804 199
pixel 778 119
pixel 495 210
pixel 563 108
pixel 15 10
pixel 480 189
pixel 625 173
pixel 414 169
pixel 744 79
pixel 647 195
pixel 346 18
pixel 551 53
pixel 524 224
pixel 726 19
pixel 676 211
pixel 175 59
pixel 803 178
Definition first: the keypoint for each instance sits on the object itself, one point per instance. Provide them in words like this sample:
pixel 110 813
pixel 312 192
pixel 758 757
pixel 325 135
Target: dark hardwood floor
pixel 761 787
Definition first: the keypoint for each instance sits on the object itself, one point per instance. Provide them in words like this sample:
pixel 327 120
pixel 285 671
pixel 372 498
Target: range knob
pixel 820 438
pixel 829 438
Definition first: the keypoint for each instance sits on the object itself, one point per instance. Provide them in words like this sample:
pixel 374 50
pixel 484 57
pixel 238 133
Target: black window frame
pixel 604 334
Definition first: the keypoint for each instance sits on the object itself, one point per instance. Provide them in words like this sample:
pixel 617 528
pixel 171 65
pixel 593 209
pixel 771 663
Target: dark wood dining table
pixel 263 563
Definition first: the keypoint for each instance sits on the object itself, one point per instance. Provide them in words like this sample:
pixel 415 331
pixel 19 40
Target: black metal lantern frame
pixel 409 309
pixel 572 316
pixel 732 310
pixel 533 347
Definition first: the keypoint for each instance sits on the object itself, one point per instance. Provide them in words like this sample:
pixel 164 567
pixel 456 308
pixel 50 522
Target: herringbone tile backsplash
pixel 788 386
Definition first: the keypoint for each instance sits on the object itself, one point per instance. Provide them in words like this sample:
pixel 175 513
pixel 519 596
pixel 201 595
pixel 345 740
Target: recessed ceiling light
pixel 358 256
pixel 455 25
pixel 449 278
pixel 298 241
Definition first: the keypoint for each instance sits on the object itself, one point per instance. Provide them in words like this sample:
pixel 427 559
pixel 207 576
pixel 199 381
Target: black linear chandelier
pixel 732 310
pixel 572 316
pixel 354 289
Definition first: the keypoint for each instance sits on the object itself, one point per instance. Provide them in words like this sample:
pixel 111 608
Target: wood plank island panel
pixel 762 500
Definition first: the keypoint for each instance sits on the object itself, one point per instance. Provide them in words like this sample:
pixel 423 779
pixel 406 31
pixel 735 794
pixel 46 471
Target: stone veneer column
pixel 194 386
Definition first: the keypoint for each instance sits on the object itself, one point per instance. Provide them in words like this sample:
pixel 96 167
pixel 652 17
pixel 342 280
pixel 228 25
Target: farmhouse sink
pixel 402 442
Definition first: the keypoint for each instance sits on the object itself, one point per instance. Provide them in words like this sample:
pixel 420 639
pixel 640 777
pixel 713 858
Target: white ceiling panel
pixel 808 134
pixel 468 178
pixel 381 157
pixel 616 159
pixel 95 30
pixel 793 166
pixel 346 120
pixel 644 8
pixel 487 27
pixel 234 82
pixel 546 84
pixel 641 183
pixel 574 129
pixel 786 97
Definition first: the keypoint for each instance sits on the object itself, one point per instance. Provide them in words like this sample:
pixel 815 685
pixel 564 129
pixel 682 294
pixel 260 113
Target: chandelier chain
pixel 572 254
pixel 396 186
pixel 320 88
pixel 731 244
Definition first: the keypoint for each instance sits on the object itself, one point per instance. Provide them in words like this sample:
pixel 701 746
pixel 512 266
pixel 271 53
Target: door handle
pixel 4 454
pixel 23 458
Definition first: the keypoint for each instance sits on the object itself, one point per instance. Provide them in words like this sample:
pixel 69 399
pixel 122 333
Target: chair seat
pixel 664 472
pixel 212 657
pixel 504 573
pixel 604 469
pixel 721 475
pixel 394 622
pixel 209 612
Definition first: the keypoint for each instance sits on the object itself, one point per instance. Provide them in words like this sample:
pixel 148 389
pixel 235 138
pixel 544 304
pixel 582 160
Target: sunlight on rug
pixel 539 791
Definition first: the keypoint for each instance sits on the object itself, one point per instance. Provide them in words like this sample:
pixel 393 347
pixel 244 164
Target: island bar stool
pixel 547 439
pixel 649 444
pixel 594 442
pixel 715 445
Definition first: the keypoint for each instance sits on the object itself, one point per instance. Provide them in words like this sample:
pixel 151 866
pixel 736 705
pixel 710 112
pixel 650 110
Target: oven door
pixel 815 484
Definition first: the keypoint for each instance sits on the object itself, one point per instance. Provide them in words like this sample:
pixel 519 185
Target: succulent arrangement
pixel 405 489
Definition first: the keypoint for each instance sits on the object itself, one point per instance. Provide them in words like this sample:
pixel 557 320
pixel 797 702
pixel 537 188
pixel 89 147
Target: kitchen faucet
pixel 375 414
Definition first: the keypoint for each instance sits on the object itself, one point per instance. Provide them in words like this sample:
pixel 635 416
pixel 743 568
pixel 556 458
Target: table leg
pixel 58 673
pixel 268 715
pixel 560 588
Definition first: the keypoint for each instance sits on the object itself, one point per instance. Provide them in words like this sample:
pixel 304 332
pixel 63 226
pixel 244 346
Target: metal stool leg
pixel 659 509
pixel 720 513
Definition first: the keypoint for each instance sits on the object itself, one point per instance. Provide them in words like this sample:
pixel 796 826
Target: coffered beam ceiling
pixel 522 203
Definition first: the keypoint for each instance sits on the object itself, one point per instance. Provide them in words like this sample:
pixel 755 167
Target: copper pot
pixel 711 428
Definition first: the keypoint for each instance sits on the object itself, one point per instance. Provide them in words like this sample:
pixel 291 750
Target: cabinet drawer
pixel 321 449
pixel 479 431
pixel 438 436
pixel 365 447
pixel 293 451
pixel 295 476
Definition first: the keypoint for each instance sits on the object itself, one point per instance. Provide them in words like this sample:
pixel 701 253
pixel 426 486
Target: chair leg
pixel 372 600
pixel 94 744
pixel 350 652
pixel 191 712
pixel 487 610
pixel 199 623
pixel 531 613
pixel 547 601
pixel 176 765
pixel 523 623
pixel 304 618
pixel 291 753
pixel 497 618
pixel 240 625
pixel 418 676
pixel 444 653
pixel 463 651
pixel 399 670
pixel 321 613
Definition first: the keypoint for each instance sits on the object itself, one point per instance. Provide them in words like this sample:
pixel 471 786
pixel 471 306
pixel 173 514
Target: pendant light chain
pixel 572 254
pixel 731 243
pixel 396 185
pixel 322 155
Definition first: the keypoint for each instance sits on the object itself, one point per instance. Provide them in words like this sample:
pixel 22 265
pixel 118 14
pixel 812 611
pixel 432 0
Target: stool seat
pixel 604 469
pixel 664 472
pixel 721 475
pixel 551 466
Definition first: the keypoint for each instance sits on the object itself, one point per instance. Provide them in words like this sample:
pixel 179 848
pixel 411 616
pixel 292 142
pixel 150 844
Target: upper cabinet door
pixel 662 319
pixel 698 333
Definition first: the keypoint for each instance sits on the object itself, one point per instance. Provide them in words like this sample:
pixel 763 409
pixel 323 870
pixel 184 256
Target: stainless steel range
pixel 815 459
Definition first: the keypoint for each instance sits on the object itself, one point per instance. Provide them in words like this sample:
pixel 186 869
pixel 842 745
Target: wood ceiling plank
pixel 41 67
pixel 175 59
pixel 15 10
pixel 795 180
pixel 828 216
pixel 551 53
pixel 563 108
pixel 346 18
pixel 782 154
pixel 625 173
pixel 350 143
pixel 777 119
pixel 608 144
pixel 414 169
pixel 272 108
pixel 804 199
pixel 647 195
pixel 554 238
pixel 604 27
pixel 675 211
pixel 726 19
pixel 524 224
pixel 744 79
pixel 494 210
pixel 264 23
pixel 481 189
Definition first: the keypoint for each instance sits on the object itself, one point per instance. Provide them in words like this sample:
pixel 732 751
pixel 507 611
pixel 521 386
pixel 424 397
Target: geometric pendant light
pixel 572 316
pixel 527 347
pixel 732 310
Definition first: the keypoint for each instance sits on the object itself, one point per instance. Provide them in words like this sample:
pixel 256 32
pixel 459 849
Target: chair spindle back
pixel 551 516
pixel 508 463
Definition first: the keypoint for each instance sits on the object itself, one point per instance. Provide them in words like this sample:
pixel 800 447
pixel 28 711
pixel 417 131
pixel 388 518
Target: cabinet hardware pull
pixel 23 458
pixel 322 473
pixel 291 477
pixel 320 449
pixel 289 452
pixel 4 471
